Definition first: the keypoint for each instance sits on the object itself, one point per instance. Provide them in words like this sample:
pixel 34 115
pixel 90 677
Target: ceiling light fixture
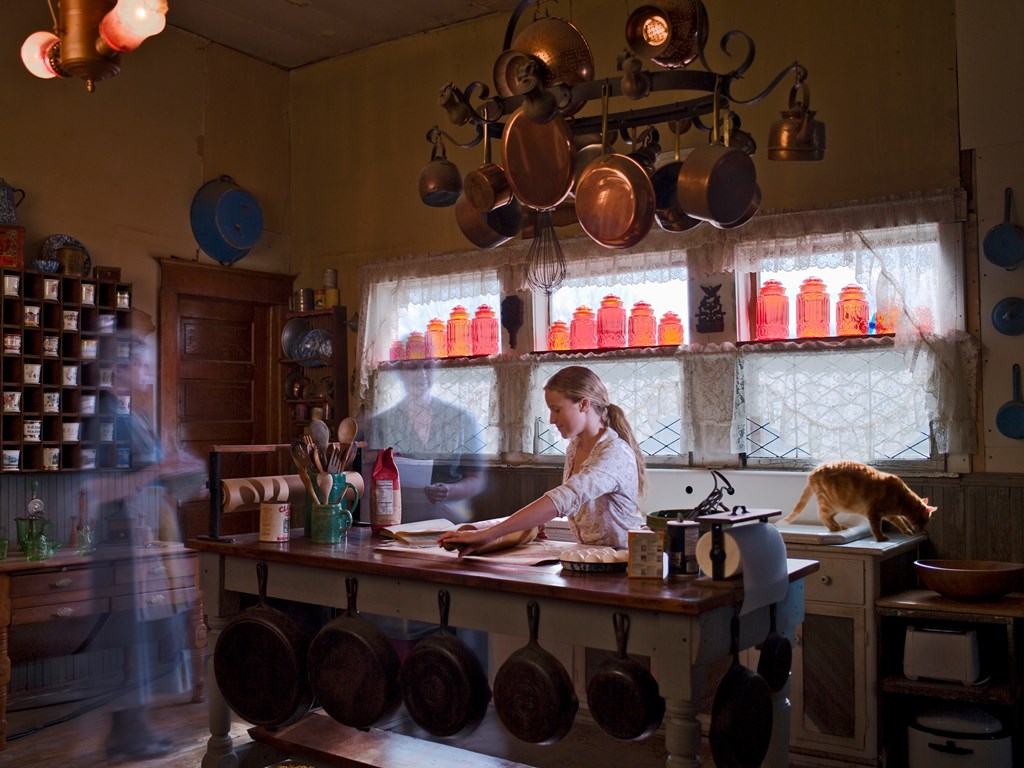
pixel 89 36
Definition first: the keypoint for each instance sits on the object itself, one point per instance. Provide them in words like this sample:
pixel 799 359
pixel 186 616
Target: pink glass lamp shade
pixel 37 54
pixel 131 22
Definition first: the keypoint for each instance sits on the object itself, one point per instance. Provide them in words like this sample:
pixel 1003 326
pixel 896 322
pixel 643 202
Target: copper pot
pixel 538 159
pixel 488 230
pixel 563 54
pixel 747 215
pixel 440 181
pixel 717 183
pixel 615 201
pixel 671 33
pixel 797 136
pixel 487 187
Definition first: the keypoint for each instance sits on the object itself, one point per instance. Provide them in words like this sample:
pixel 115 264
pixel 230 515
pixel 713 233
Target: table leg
pixel 682 734
pixel 220 751
pixel 197 641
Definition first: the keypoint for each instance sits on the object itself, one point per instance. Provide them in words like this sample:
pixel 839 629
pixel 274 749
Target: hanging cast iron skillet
pixel 533 694
pixel 260 663
pixel 353 668
pixel 1008 316
pixel 776 659
pixel 1010 416
pixel 444 686
pixel 1004 243
pixel 623 694
pixel 741 716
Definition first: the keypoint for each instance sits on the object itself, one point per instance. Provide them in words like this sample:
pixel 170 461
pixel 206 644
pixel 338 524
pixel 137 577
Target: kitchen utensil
pixel 292 332
pixel 508 68
pixel 486 187
pixel 538 159
pixel 797 135
pixel 685 26
pixel 329 523
pixel 440 181
pixel 325 482
pixel 776 657
pixel 533 694
pixel 1008 316
pixel 741 715
pixel 562 52
pixel 1004 243
pixel 1010 416
pixel 970 579
pixel 260 663
pixel 623 695
pixel 488 230
pixel 615 199
pixel 747 215
pixel 354 668
pixel 716 183
pixel 665 181
pixel 300 456
pixel 227 221
pixel 348 430
pixel 545 263
pixel 444 686
pixel 10 199
pixel 321 434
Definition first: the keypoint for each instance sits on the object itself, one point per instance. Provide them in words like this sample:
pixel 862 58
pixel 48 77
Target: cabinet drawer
pixel 837 581
pixel 157 572
pixel 154 605
pixel 59 611
pixel 61 582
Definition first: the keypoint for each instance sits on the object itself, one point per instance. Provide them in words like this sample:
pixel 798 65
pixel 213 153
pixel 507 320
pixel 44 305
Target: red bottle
pixel 386 496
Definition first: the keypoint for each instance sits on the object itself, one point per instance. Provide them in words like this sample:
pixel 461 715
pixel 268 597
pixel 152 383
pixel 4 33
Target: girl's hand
pixel 464 542
pixel 436 493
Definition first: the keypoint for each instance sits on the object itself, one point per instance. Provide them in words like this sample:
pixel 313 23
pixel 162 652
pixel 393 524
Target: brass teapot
pixel 797 136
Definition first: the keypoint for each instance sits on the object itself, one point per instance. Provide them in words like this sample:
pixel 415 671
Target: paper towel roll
pixel 251 491
pixel 757 552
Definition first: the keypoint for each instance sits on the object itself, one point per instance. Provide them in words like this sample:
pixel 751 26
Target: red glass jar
pixel 670 330
pixel 460 341
pixel 772 320
pixel 611 323
pixel 558 337
pixel 485 331
pixel 852 312
pixel 397 351
pixel 643 327
pixel 416 346
pixel 812 305
pixel 583 329
pixel 435 340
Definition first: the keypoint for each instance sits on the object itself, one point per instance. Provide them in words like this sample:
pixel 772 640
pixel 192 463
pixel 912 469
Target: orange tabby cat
pixel 852 487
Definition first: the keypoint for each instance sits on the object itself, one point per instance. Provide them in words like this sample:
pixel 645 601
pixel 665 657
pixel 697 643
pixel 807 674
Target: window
pixel 907 397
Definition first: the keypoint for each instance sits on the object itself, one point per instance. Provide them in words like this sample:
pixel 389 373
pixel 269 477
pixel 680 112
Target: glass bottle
pixel 397 351
pixel 611 323
pixel 772 320
pixel 643 327
pixel 670 330
pixel 558 337
pixel 583 329
pixel 485 331
pixel 852 312
pixel 435 342
pixel 460 342
pixel 812 304
pixel 415 347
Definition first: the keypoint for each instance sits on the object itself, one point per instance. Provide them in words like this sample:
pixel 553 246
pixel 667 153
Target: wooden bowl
pixel 970 579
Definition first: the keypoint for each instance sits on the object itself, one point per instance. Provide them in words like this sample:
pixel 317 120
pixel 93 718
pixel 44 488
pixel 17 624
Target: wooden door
pixel 219 373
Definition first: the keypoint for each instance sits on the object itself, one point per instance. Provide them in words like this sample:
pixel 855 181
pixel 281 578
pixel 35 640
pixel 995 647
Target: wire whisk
pixel 545 267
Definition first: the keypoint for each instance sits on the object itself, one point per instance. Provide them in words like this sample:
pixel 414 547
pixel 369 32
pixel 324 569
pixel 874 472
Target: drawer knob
pixel 156 599
pixel 826 580
pixel 61 583
pixel 65 612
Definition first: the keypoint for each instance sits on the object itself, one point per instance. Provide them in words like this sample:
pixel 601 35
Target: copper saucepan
pixel 488 230
pixel 538 159
pixel 487 187
pixel 614 197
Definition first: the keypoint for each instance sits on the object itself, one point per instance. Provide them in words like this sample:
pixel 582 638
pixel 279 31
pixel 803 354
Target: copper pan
pixel 487 187
pixel 488 230
pixel 562 51
pixel 752 209
pixel 667 213
pixel 538 160
pixel 615 198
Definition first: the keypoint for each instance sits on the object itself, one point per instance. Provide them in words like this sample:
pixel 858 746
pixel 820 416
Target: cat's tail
pixel 804 498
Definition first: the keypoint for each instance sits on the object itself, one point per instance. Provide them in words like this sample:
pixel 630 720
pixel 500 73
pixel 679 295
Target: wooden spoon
pixel 348 428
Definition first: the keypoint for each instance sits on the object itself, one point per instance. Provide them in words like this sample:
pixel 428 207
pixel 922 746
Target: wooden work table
pixel 69 604
pixel 682 623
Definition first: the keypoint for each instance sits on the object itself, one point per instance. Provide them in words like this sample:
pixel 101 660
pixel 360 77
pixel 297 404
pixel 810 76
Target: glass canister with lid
pixel 459 339
pixel 852 311
pixel 772 320
pixel 611 323
pixel 812 309
pixel 435 340
pixel 583 329
pixel 485 331
pixel 670 330
pixel 643 327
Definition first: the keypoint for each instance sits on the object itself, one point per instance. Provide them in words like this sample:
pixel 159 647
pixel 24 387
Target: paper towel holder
pixel 716 523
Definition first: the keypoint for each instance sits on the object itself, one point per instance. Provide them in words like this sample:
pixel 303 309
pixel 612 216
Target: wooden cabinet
pixel 316 376
pixel 833 693
pixel 69 604
pixel 999 627
pixel 66 372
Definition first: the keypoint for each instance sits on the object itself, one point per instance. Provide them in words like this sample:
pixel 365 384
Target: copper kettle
pixel 797 136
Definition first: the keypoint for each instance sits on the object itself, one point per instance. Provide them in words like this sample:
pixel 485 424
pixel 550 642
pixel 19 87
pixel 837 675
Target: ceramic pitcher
pixel 10 199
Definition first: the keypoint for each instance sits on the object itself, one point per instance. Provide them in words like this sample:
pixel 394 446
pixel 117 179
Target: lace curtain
pixel 888 243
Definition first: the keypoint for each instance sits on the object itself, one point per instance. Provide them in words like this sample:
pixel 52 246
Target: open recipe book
pixel 521 546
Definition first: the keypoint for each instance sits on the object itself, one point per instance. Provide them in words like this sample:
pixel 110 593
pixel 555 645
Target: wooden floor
pixel 74 734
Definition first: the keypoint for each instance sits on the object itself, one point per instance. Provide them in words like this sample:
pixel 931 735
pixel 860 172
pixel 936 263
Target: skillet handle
pixel 261 580
pixel 533 617
pixel 621 623
pixel 351 590
pixel 1007 203
pixel 444 601
pixel 1016 383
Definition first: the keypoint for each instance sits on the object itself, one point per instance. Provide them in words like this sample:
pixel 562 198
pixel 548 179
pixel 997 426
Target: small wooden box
pixel 107 273
pixel 12 246
pixel 646 554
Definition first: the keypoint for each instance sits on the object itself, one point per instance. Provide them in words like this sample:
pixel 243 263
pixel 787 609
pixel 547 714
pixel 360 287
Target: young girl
pixel 603 474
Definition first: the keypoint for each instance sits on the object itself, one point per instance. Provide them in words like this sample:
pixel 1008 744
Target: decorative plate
pixel 52 244
pixel 309 348
pixel 293 330
pixel 1008 316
